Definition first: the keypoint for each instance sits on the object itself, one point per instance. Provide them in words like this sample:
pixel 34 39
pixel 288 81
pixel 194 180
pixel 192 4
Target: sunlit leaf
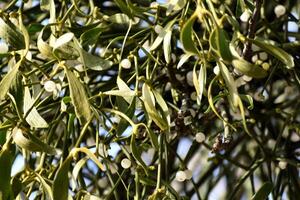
pixel 161 36
pixel 64 47
pixel 33 118
pixel 8 79
pixel 249 69
pixel 11 34
pixel 30 142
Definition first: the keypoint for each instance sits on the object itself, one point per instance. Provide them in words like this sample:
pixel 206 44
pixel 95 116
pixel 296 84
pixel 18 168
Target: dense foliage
pixel 138 99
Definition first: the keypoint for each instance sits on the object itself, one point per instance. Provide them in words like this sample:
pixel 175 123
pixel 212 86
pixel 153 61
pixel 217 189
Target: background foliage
pixel 178 99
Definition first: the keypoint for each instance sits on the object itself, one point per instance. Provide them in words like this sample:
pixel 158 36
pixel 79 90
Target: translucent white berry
pixel 200 137
pixel 254 58
pixel 245 16
pixel 265 66
pixel 3 48
pixel 188 174
pixel 189 78
pixel 282 164
pixel 271 143
pixel 216 70
pixel 263 56
pixel 125 163
pixel 180 176
pixel 193 96
pixel 279 10
pixel 50 86
pixel 125 63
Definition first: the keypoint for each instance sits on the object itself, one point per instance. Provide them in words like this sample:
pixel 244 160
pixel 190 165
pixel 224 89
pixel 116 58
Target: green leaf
pixel 11 34
pixel 79 98
pixel 136 152
pixel 186 36
pixel 91 36
pixel 167 46
pixel 263 191
pixel 162 34
pixel 248 68
pixel 275 51
pixel 45 185
pixel 219 43
pixel 161 102
pixel 64 47
pixel 199 82
pixel 32 143
pixel 17 91
pixel 129 111
pixel 44 48
pixel 230 83
pixel 124 87
pixel 175 6
pixel 61 181
pixel 94 62
pixel 89 154
pixel 34 119
pixel 149 103
pixel 7 81
pixel 6 161
pixel 76 170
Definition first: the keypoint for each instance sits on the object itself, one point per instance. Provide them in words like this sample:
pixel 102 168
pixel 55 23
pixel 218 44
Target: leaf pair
pixel 61 180
pixel 150 97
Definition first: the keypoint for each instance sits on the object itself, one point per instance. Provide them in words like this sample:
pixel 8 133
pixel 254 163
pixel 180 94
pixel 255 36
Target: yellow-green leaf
pixel 275 51
pixel 79 98
pixel 34 119
pixel 61 181
pixel 11 34
pixel 186 36
pixel 6 82
pixel 30 142
pixel 219 43
pixel 153 113
pixel 6 161
pixel 248 68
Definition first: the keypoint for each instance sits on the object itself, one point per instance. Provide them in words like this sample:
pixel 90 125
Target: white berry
pixel 282 164
pixel 216 70
pixel 125 63
pixel 263 56
pixel 200 137
pixel 245 16
pixel 180 176
pixel 189 78
pixel 49 86
pixel 3 48
pixel 279 10
pixel 125 163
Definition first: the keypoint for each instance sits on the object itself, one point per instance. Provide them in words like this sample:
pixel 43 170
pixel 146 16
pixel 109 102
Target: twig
pixel 247 52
